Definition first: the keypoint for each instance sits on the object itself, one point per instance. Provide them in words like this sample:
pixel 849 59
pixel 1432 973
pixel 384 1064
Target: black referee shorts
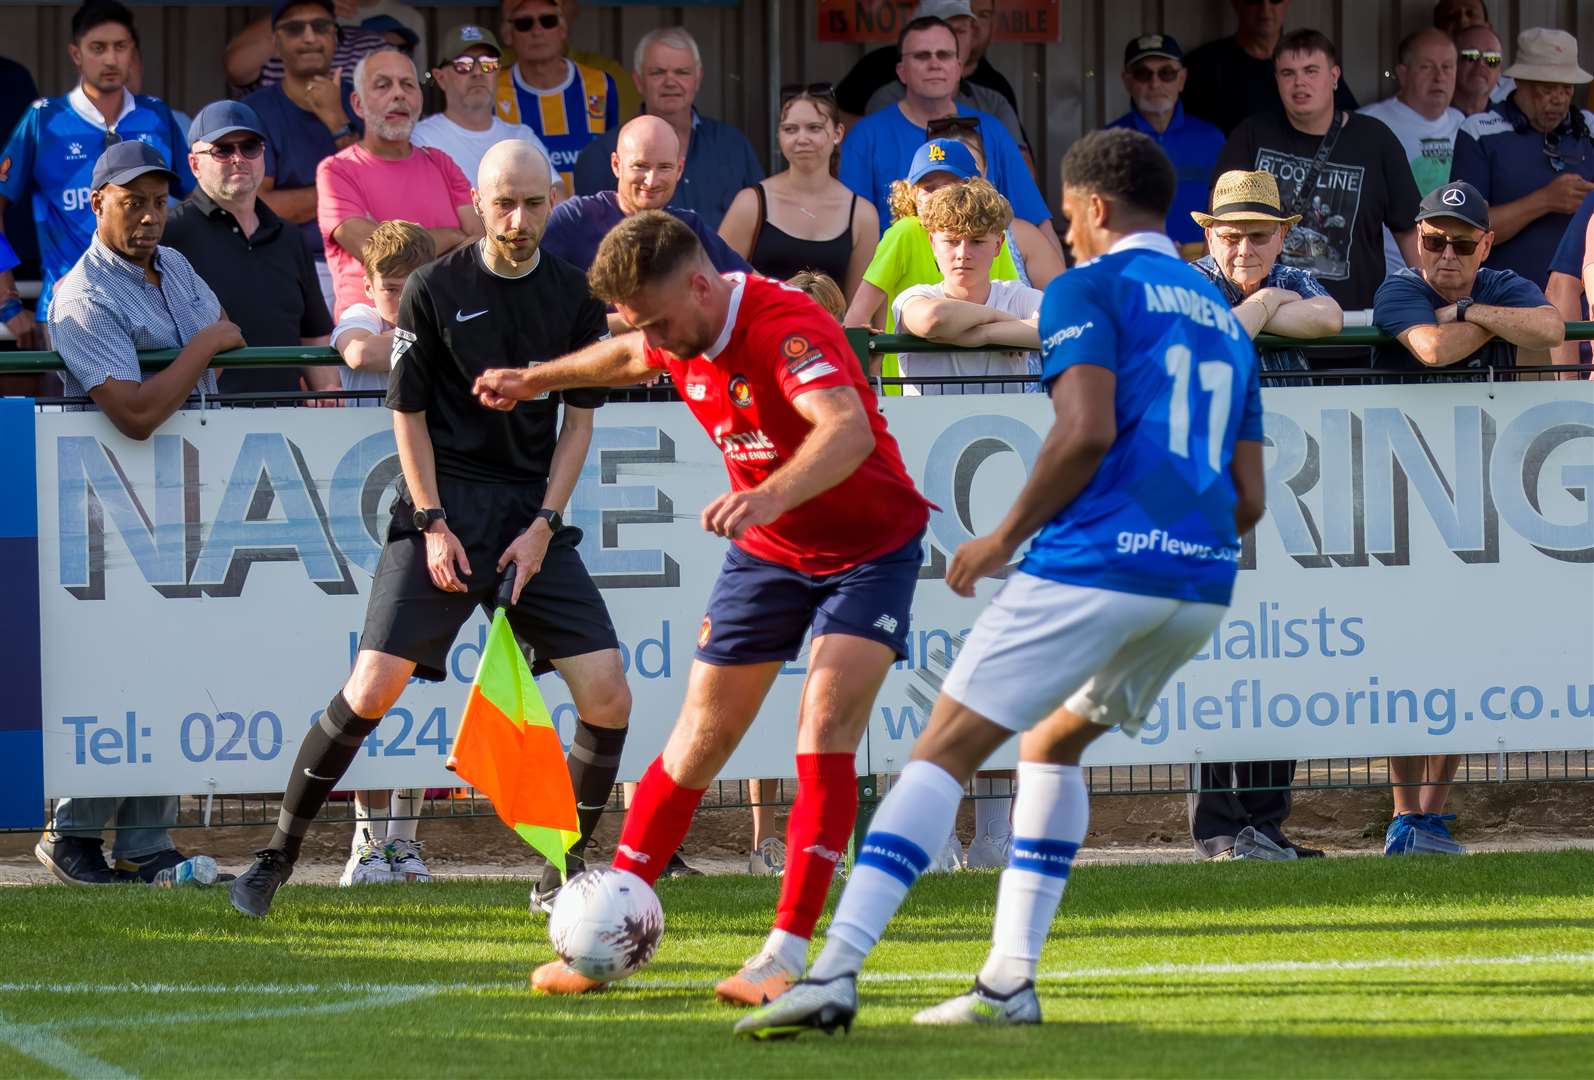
pixel 560 612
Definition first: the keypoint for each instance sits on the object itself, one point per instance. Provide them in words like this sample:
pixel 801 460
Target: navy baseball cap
pixel 280 6
pixel 383 24
pixel 1152 45
pixel 1457 199
pixel 223 118
pixel 126 161
pixel 943 155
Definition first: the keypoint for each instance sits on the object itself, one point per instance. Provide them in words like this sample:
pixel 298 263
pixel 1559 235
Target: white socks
pixel 405 805
pixel 396 815
pixel 363 823
pixel 1050 815
pixel 789 949
pixel 911 824
pixel 991 816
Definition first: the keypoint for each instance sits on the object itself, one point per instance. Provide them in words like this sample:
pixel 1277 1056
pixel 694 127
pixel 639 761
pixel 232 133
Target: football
pixel 606 924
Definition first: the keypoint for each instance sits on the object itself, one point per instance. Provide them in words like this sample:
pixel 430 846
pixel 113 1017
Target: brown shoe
pixel 558 977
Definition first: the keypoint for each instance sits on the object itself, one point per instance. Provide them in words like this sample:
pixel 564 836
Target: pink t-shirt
pixel 426 188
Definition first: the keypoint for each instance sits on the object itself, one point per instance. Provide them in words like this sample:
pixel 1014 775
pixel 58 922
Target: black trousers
pixel 1223 806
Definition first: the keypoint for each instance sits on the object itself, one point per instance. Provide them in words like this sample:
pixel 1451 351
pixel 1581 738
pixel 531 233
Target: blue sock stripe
pixel 1053 858
pixel 894 855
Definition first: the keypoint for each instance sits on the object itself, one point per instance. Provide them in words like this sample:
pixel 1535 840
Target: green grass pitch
pixel 1473 966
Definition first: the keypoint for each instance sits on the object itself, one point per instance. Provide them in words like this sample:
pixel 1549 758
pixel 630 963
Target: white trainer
pixel 982 1006
pixel 405 856
pixel 368 864
pixel 768 859
pixel 988 852
pixel 809 1005
pixel 949 859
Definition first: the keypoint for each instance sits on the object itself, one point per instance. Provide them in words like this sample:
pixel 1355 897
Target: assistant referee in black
pixel 480 490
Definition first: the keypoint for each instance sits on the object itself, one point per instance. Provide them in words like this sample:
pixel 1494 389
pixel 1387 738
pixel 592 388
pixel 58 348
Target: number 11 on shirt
pixel 1217 379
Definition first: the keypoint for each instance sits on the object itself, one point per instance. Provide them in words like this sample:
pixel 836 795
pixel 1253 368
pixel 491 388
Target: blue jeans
pixel 141 822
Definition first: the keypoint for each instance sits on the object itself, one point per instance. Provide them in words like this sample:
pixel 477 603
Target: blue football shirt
pixel 51 157
pixel 1158 517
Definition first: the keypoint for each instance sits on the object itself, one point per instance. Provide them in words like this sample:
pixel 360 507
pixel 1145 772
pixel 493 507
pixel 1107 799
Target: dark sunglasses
pixel 1145 74
pixel 814 90
pixel 464 65
pixel 244 148
pixel 951 126
pixel 1437 242
pixel 1472 56
pixel 296 27
pixel 547 20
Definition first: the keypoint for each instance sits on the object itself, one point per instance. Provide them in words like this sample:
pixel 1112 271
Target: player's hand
pixel 26 329
pixel 527 552
pixel 984 556
pixel 444 553
pixel 1564 194
pixel 734 512
pixel 502 388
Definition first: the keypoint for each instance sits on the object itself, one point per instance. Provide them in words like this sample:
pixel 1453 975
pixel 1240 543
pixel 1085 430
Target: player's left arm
pixel 1083 432
pixel 839 441
pixel 528 550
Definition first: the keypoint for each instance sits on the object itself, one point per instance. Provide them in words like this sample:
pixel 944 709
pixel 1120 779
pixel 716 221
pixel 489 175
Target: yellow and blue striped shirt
pixel 565 118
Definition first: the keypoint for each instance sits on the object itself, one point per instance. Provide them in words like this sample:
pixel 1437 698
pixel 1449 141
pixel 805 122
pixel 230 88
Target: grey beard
pixel 399 132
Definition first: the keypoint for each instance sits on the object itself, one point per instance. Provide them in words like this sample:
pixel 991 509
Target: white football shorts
pixel 1105 654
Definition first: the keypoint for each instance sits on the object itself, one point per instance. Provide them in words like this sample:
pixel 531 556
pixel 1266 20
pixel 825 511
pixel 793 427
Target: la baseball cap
pixel 1152 45
pixel 223 118
pixel 461 38
pixel 126 161
pixel 1457 199
pixel 942 155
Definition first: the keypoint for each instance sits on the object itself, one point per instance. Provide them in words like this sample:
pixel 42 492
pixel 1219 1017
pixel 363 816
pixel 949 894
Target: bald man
pixel 1421 116
pixel 647 165
pixel 481 495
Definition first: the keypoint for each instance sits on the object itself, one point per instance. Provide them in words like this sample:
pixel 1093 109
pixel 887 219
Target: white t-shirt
pixel 1012 297
pixel 467 147
pixel 361 317
pixel 1429 146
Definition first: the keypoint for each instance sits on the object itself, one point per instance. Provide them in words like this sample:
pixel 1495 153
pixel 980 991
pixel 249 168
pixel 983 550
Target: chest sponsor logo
pixel 75 199
pixel 746 446
pixel 595 108
pixel 1067 333
pixel 696 391
pixel 740 391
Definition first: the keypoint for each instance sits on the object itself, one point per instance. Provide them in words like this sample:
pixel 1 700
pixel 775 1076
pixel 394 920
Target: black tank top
pixel 779 255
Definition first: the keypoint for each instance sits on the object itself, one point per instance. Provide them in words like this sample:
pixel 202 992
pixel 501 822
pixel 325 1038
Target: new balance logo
pixel 823 853
pixel 888 623
pixel 460 316
pixel 633 854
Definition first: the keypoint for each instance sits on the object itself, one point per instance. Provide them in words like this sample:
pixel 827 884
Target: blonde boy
pixel 364 336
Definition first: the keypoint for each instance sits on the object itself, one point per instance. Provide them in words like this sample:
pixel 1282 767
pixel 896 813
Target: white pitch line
pixel 433 989
pixel 393 995
pixel 37 1043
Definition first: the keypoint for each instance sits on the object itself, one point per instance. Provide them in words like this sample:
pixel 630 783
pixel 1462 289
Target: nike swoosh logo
pixel 460 316
pixel 313 776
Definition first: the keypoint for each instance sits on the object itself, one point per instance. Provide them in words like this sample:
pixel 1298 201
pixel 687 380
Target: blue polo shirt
pixel 296 141
pixel 578 225
pixel 881 146
pixel 719 163
pixel 1405 300
pixel 1499 153
pixel 1193 146
pixel 51 157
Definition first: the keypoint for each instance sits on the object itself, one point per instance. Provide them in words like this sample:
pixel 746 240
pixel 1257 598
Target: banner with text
pixel 1423 583
pixel 883 20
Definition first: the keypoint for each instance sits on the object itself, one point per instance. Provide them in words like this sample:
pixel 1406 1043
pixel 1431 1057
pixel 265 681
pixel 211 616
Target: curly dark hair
pixel 1123 165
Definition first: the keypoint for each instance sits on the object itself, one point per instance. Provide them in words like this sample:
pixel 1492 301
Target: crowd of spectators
pixel 1458 213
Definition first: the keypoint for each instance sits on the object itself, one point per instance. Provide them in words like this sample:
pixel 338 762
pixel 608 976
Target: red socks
pixel 817 834
pixel 657 822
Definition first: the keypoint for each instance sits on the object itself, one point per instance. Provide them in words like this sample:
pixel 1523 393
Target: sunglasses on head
pixel 243 148
pixel 951 126
pixel 814 90
pixel 296 27
pixel 1142 74
pixel 464 65
pixel 1472 56
pixel 548 20
pixel 1436 242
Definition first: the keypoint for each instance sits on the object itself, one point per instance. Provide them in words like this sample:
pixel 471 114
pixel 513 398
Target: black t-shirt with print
pixel 456 320
pixel 1365 184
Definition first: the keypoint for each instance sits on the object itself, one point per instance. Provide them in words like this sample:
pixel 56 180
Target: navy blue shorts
pixel 759 610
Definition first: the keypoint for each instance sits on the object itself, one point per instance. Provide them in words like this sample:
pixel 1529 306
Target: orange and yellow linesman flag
pixel 508 748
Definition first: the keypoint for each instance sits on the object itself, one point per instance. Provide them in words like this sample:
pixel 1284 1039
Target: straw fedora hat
pixel 1245 196
pixel 1545 55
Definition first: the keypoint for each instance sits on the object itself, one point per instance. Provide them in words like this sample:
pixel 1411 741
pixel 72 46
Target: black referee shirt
pixel 266 282
pixel 456 320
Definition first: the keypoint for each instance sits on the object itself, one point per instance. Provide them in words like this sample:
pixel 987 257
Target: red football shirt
pixel 777 345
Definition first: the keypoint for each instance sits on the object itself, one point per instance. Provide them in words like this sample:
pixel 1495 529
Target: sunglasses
pixel 951 126
pixel 1472 56
pixel 1437 242
pixel 548 20
pixel 1162 74
pixel 464 65
pixel 248 149
pixel 924 56
pixel 814 90
pixel 296 27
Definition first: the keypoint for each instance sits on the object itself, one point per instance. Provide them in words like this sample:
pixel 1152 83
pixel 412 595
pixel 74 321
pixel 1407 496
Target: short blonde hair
pixel 973 209
pixel 645 248
pixel 823 290
pixel 397 249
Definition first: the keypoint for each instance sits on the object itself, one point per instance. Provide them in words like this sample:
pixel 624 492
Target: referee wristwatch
pixel 555 522
pixel 423 518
